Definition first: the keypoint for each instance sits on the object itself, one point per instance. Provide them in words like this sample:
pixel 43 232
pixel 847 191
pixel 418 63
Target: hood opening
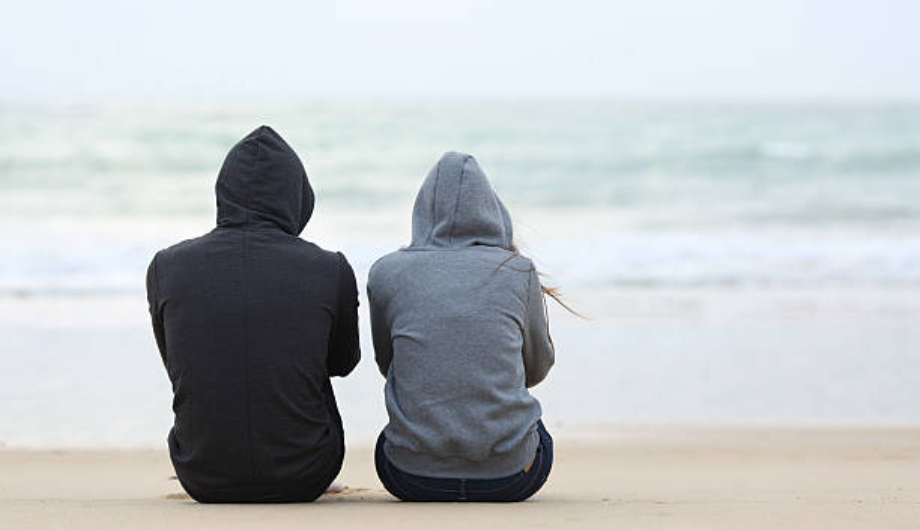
pixel 263 183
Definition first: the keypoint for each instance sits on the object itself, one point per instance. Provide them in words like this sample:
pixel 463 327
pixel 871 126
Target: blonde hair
pixel 552 291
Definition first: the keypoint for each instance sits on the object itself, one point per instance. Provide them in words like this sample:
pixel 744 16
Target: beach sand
pixel 617 477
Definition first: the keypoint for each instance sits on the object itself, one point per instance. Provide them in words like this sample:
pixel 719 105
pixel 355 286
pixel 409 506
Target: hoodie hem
pixel 303 489
pixel 436 466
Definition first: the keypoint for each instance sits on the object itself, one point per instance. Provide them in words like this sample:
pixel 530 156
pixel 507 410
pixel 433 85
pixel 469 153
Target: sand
pixel 618 477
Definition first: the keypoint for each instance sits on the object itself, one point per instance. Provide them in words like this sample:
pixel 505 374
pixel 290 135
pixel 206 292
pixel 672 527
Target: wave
pixel 109 264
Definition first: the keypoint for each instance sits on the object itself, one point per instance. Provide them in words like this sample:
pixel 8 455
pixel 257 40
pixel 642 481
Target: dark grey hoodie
pixel 460 332
pixel 251 321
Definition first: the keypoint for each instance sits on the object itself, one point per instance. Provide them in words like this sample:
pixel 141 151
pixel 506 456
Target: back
pixel 460 333
pixel 251 321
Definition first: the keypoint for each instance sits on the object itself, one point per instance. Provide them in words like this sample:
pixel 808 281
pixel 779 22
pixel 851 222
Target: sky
pixel 680 49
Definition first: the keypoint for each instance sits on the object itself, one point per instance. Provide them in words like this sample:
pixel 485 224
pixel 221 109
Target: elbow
pixel 534 381
pixel 533 378
pixel 343 369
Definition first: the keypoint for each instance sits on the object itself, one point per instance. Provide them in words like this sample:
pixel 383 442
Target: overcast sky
pixel 867 49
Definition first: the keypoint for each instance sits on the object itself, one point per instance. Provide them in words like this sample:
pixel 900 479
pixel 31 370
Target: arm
pixel 539 352
pixel 380 329
pixel 344 348
pixel 156 315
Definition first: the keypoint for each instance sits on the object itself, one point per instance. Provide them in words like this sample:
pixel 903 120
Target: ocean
pixel 737 262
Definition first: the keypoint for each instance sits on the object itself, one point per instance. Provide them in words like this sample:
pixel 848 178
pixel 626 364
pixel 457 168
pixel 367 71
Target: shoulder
pixel 163 256
pixel 313 249
pixel 513 263
pixel 313 253
pixel 384 269
pixel 521 263
pixel 383 265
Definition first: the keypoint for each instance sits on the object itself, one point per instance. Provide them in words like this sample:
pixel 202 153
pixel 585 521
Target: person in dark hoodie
pixel 251 321
pixel 460 333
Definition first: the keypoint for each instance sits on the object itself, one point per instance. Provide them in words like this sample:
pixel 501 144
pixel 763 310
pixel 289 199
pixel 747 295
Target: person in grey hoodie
pixel 460 332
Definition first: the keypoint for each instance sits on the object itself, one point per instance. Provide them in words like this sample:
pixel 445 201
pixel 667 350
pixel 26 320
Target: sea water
pixel 738 262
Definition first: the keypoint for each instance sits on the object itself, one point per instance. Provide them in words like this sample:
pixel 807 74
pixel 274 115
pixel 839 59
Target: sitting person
pixel 460 332
pixel 251 321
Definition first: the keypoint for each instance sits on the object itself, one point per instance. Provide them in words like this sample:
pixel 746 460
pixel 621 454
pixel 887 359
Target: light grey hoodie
pixel 460 333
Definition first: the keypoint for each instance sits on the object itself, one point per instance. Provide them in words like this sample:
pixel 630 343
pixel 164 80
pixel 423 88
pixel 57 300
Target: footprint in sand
pixel 177 497
pixel 345 490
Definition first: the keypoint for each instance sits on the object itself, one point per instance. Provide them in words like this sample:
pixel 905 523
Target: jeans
pixel 517 487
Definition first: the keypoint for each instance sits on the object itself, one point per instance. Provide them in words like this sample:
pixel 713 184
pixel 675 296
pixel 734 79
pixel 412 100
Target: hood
pixel 457 207
pixel 263 183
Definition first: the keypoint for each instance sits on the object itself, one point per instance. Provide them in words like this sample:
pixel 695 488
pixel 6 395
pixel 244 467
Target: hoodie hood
pixel 263 183
pixel 457 207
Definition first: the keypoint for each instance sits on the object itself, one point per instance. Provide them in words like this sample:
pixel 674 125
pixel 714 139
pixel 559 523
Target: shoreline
pixel 654 432
pixel 695 357
pixel 628 476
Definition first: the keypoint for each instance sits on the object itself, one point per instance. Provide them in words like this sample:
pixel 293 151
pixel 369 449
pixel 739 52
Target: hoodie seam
pixel 453 218
pixel 246 353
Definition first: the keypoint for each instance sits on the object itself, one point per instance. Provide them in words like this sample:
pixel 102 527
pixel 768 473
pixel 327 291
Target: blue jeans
pixel 517 487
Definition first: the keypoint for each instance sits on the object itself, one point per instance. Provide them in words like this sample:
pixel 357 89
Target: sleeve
pixel 539 352
pixel 380 329
pixel 156 313
pixel 344 348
